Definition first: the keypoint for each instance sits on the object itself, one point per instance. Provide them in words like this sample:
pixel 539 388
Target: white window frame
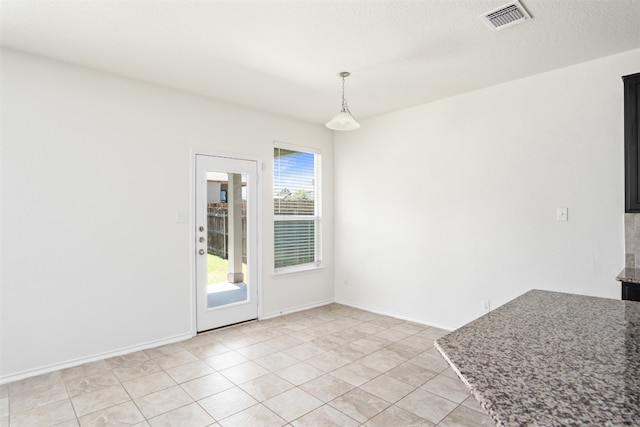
pixel 317 216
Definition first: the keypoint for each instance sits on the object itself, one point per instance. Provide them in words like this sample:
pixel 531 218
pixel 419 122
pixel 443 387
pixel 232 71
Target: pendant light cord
pixel 345 107
pixel 344 101
pixel 344 119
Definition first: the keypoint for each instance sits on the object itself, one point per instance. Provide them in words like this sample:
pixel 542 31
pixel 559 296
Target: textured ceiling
pixel 283 56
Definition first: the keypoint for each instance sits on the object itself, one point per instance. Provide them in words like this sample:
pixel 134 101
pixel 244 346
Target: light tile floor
pixel 328 366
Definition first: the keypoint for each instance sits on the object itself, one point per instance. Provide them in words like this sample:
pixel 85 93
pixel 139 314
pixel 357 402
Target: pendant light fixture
pixel 343 120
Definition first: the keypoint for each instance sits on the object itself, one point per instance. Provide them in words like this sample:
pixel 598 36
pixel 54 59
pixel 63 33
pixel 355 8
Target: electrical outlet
pixel 485 305
pixel 562 214
pixel 346 282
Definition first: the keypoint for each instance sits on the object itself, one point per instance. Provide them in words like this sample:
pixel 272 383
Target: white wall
pixel 93 170
pixel 447 203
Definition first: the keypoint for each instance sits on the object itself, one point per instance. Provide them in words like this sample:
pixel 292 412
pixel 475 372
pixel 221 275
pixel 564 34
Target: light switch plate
pixel 182 217
pixel 562 214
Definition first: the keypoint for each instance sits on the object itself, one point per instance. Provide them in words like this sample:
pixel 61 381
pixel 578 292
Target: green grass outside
pixel 217 269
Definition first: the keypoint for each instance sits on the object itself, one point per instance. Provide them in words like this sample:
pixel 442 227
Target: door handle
pixel 201 251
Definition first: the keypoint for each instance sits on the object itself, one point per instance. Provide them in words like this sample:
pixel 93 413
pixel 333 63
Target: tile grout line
pixel 323 326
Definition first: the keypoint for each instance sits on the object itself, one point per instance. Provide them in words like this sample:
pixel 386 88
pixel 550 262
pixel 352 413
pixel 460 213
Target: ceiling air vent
pixel 505 16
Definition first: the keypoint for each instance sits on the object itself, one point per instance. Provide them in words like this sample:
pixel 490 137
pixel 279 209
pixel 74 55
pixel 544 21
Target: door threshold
pixel 227 326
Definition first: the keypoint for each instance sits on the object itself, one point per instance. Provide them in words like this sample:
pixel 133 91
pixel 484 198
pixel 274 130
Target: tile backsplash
pixel 631 240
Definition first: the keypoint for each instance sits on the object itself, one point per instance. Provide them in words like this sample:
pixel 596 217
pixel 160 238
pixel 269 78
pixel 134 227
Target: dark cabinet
pixel 630 291
pixel 631 143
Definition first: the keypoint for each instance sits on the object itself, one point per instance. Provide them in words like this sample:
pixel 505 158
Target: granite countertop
pixel 629 275
pixel 552 359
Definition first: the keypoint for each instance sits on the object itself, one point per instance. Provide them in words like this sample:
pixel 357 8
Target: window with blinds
pixel 296 204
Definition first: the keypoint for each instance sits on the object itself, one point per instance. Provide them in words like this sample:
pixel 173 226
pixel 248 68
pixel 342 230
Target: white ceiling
pixel 283 56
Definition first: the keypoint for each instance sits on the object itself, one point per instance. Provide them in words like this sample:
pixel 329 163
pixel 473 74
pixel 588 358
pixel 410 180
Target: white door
pixel 226 243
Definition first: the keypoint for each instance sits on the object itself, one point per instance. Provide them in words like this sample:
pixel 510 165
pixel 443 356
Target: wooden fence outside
pixel 293 207
pixel 218 223
pixel 218 230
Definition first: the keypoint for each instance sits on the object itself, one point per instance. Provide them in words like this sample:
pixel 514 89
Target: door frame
pixel 194 152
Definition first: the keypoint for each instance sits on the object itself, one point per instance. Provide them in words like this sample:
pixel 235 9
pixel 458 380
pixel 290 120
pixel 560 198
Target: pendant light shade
pixel 343 120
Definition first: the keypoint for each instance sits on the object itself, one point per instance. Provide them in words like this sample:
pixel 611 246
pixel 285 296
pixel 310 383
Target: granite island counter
pixel 552 359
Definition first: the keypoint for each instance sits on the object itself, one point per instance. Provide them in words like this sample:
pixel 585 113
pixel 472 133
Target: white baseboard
pixel 396 315
pixel 150 344
pixel 295 309
pixel 81 361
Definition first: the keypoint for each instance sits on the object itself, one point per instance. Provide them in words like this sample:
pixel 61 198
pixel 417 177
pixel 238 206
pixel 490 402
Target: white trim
pixel 395 315
pixel 319 213
pixel 296 309
pixel 192 239
pixel 298 268
pixel 95 357
pixel 294 147
pixel 225 154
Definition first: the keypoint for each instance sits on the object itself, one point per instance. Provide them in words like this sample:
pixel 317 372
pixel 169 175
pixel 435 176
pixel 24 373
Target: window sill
pixel 298 269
